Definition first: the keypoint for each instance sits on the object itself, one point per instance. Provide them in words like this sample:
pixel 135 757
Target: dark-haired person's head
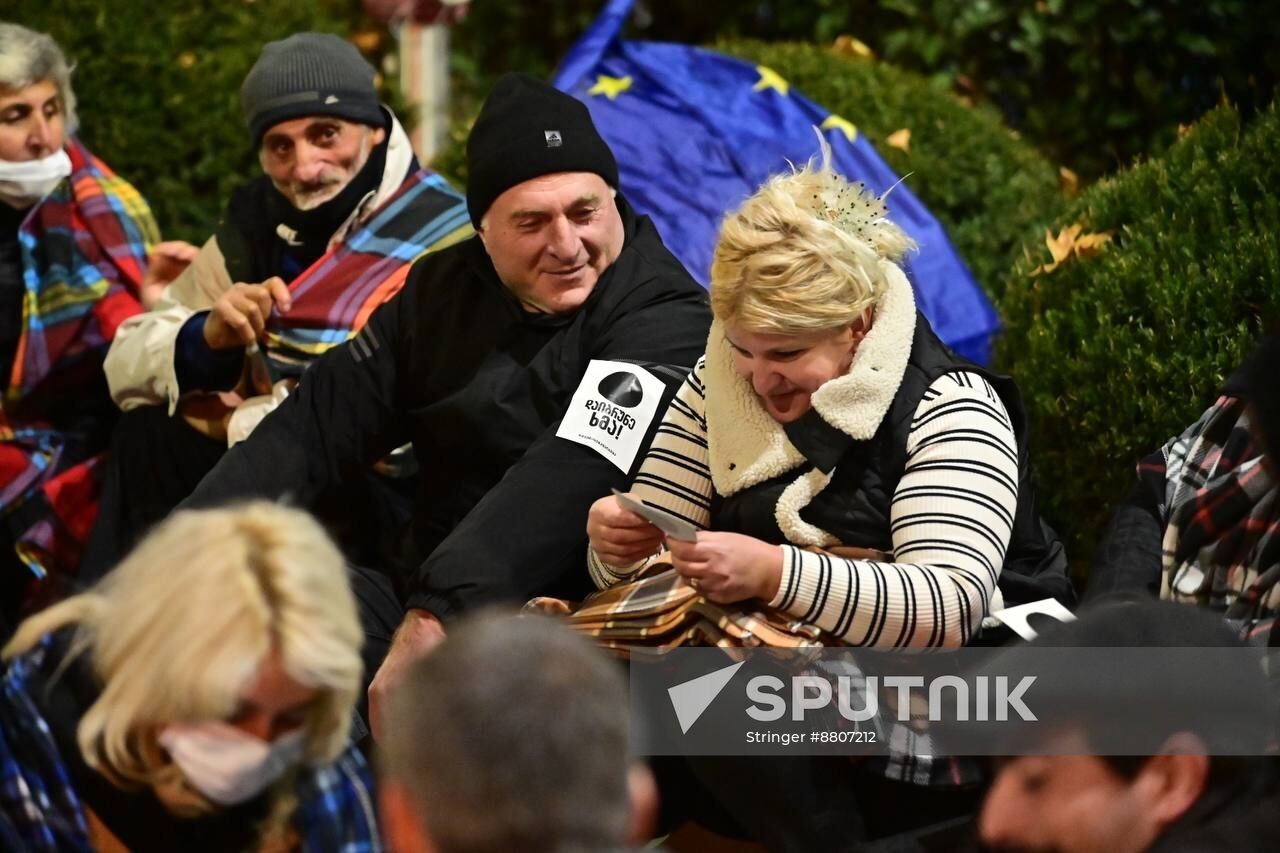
pixel 1255 382
pixel 1123 776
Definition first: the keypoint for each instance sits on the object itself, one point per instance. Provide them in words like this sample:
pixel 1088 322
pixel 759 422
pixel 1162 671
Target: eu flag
pixel 696 132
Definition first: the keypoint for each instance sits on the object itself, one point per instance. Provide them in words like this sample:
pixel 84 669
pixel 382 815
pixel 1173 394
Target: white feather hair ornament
pixel 852 207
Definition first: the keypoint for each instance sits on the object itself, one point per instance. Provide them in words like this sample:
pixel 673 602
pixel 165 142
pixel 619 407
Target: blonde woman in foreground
pixel 197 698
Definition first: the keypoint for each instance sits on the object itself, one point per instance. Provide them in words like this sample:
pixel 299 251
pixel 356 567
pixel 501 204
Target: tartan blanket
pixel 40 810
pixel 1220 549
pixel 332 301
pixel 333 298
pixel 337 807
pixel 84 251
pixel 659 611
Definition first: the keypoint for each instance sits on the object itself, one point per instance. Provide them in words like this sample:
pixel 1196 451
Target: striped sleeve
pixel 675 474
pixel 951 520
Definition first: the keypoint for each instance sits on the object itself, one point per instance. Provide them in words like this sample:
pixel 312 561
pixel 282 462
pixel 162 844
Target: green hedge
pixel 984 185
pixel 1092 83
pixel 158 86
pixel 1117 353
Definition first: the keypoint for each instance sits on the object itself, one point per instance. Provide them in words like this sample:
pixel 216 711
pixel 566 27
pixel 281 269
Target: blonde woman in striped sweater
pixel 826 416
pixel 826 413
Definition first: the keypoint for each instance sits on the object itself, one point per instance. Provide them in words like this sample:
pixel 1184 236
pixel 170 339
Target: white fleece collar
pixel 747 446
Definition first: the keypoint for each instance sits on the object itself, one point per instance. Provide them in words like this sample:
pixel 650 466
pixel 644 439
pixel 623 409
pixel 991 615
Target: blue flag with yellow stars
pixel 696 132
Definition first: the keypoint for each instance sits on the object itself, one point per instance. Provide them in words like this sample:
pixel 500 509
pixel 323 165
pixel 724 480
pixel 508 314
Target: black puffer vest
pixel 855 506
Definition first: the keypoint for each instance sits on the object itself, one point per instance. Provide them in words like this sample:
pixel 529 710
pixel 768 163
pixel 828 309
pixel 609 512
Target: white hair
pixel 28 57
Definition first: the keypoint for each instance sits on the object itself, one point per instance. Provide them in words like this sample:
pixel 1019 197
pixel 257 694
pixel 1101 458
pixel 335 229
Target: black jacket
pixel 454 364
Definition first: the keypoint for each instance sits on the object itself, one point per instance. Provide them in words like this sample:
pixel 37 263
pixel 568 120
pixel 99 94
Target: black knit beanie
pixel 527 129
pixel 309 74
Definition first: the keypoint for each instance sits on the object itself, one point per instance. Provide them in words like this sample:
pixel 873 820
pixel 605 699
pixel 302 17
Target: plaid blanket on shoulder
pixel 337 811
pixel 1221 548
pixel 84 252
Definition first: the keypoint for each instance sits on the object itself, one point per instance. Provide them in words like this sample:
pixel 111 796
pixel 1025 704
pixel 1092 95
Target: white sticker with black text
pixel 612 409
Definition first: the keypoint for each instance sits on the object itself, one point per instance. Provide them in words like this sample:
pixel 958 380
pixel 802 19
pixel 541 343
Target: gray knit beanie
pixel 309 74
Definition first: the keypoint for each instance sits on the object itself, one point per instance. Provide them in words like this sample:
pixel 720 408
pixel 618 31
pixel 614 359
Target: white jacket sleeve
pixel 140 364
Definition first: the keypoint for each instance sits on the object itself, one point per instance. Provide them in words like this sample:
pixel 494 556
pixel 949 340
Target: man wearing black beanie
pixel 533 142
pixel 528 366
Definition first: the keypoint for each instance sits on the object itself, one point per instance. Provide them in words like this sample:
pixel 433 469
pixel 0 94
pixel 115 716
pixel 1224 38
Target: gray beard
pixel 309 200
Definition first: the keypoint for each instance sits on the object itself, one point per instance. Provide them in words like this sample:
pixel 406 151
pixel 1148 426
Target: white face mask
pixel 227 765
pixel 25 183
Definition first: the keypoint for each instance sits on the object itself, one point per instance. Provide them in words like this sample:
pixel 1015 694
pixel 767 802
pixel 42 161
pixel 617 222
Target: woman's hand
pixel 619 536
pixel 729 567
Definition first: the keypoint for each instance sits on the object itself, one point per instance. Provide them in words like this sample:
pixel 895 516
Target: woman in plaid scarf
pixel 198 699
pixel 74 243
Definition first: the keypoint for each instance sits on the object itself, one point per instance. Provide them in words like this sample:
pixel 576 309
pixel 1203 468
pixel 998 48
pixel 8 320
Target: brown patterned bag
pixel 660 611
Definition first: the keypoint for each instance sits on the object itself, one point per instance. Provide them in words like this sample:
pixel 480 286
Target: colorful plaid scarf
pixel 84 252
pixel 331 302
pixel 333 298
pixel 1221 547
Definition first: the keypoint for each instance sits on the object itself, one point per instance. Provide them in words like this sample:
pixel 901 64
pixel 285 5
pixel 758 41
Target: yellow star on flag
pixel 610 87
pixel 841 124
pixel 770 79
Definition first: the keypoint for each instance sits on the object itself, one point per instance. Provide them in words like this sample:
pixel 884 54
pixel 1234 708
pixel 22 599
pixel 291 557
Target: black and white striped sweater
pixel 952 511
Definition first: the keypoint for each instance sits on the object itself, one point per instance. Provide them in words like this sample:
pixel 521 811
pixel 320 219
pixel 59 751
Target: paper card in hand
pixel 676 528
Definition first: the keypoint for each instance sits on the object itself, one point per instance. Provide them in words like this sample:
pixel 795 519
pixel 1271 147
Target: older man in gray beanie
pixel 302 255
pixel 528 366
